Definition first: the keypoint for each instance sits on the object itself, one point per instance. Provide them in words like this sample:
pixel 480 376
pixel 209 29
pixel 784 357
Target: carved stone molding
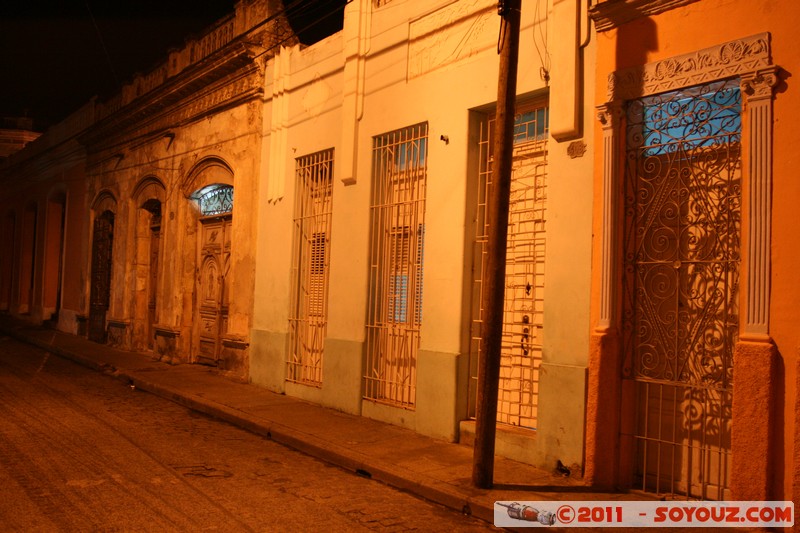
pixel 225 79
pixel 609 114
pixel 613 13
pixel 749 59
pixel 576 149
pixel 734 58
pixel 760 84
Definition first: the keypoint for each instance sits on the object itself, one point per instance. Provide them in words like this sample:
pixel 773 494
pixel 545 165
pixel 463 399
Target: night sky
pixel 54 57
pixel 56 54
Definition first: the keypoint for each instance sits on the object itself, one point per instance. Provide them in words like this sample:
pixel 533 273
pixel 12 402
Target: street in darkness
pixel 80 451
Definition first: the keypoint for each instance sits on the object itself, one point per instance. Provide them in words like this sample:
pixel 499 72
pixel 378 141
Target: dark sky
pixel 56 54
pixel 54 57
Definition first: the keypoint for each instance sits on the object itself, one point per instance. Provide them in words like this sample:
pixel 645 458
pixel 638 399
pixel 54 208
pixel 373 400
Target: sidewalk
pixel 436 470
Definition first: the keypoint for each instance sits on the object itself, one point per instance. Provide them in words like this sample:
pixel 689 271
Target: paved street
pixel 80 451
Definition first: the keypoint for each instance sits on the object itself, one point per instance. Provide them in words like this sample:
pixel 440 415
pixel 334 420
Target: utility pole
pixel 495 271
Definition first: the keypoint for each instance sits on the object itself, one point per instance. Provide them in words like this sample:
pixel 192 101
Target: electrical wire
pixel 103 44
pixel 544 58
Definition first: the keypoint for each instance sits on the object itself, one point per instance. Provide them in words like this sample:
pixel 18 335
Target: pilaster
pixel 755 359
pixel 356 47
pixel 610 116
pixel 757 89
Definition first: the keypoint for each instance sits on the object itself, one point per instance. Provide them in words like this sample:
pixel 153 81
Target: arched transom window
pixel 216 199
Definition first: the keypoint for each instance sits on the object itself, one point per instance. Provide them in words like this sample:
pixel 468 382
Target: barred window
pixel 399 173
pixel 311 252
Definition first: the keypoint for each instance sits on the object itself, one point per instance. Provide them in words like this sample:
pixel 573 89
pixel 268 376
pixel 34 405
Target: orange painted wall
pixel 700 25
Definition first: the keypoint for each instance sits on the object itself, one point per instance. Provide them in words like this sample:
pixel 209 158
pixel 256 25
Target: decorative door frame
pixel 749 60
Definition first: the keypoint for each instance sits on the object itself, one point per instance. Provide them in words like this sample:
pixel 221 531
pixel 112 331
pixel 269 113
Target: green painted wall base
pixel 268 359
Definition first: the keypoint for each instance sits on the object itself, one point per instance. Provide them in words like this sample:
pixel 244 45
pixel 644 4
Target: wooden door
pixel 212 300
pixel 100 290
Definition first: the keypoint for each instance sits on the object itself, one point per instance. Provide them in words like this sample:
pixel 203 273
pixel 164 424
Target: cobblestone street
pixel 84 452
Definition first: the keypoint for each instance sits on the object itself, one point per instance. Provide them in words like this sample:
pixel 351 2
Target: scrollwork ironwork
pixel 215 200
pixel 682 206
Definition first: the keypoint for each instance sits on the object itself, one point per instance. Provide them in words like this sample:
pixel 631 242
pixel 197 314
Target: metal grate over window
pixel 523 304
pixel 312 232
pixel 681 279
pixel 399 174
pixel 214 200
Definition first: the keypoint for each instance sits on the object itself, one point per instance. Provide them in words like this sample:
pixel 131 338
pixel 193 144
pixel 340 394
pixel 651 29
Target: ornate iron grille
pixel 214 200
pixel 399 173
pixel 521 349
pixel 312 233
pixel 100 290
pixel 681 275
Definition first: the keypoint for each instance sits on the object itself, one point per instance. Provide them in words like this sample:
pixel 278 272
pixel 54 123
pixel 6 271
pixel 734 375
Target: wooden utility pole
pixel 494 274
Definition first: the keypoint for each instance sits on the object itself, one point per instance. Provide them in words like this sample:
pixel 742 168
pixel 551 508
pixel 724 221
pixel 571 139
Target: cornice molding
pixel 734 58
pixel 614 13
pixel 225 79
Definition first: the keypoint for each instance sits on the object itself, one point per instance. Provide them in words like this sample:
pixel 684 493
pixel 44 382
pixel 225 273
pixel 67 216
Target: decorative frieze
pixel 734 58
pixel 226 80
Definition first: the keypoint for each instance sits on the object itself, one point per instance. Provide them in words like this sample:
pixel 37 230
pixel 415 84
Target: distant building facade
pixel 15 133
pixel 312 219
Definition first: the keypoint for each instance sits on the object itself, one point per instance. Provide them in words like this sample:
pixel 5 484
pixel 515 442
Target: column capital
pixel 610 114
pixel 759 84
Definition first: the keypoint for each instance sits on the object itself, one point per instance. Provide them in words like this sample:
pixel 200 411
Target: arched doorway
pixel 7 260
pixel 102 248
pixel 149 198
pixel 53 255
pixel 28 258
pixel 215 202
pixel 209 188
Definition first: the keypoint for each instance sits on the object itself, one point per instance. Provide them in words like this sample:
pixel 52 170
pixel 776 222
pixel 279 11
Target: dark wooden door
pixel 100 290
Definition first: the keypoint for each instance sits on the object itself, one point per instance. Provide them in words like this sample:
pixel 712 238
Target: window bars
pixel 399 174
pixel 523 307
pixel 681 276
pixel 312 232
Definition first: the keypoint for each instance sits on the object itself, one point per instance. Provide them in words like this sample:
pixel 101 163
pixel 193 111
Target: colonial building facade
pixel 312 219
pixel 131 235
pixel 693 366
pixel 373 219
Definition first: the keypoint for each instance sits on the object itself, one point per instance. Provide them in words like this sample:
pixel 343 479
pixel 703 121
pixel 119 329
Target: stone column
pixel 755 358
